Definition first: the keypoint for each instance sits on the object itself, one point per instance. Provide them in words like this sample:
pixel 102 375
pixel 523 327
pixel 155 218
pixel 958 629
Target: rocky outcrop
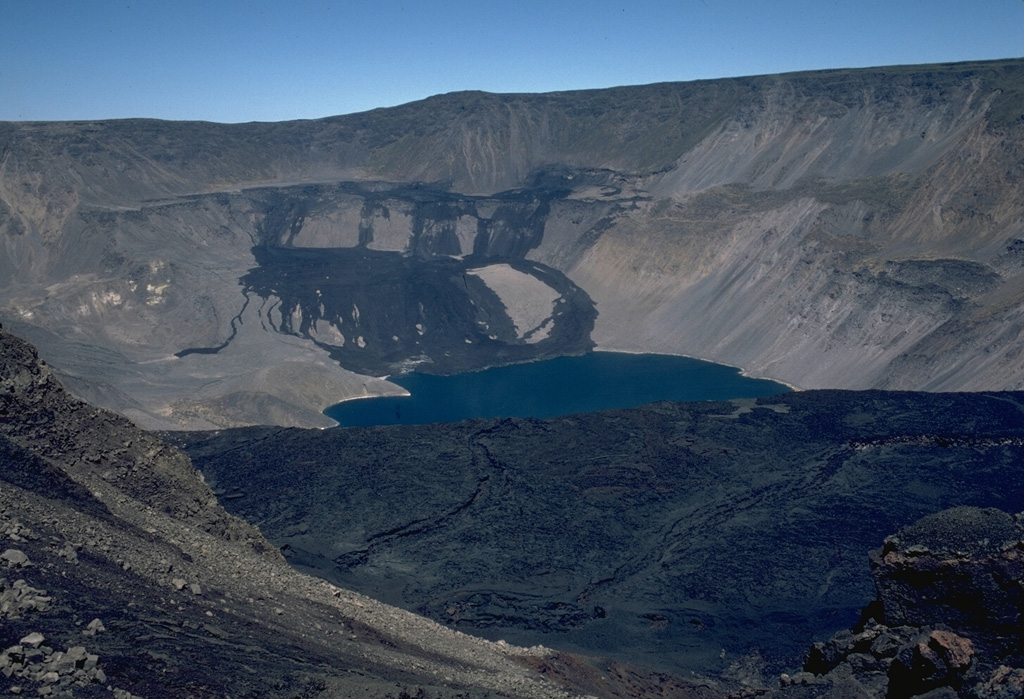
pixel 840 229
pixel 961 567
pixel 946 621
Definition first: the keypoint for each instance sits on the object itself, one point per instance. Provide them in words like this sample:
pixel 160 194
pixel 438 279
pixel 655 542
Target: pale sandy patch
pixel 528 301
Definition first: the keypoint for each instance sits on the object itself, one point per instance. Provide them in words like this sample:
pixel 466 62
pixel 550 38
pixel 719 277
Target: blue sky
pixel 253 60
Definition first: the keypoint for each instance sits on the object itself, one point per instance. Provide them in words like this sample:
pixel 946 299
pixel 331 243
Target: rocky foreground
pixel 120 573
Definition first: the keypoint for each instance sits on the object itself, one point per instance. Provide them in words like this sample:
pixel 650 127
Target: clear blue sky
pixel 253 60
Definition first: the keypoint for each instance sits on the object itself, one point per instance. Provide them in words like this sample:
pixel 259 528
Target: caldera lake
pixel 552 387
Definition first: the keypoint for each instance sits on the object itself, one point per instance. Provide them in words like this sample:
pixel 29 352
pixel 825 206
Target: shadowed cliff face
pixel 853 228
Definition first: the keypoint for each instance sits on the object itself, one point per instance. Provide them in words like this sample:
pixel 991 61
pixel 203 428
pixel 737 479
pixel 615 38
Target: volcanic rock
pixel 661 535
pixel 947 618
pixel 959 567
pixel 14 558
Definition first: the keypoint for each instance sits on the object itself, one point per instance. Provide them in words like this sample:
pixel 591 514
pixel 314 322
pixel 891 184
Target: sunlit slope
pixel 859 228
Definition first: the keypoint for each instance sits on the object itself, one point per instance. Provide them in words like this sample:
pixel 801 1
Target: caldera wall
pixel 840 229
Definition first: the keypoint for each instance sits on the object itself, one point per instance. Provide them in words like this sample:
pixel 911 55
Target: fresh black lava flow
pixel 594 381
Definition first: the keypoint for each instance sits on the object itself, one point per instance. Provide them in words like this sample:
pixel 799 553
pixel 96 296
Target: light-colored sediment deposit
pixel 528 301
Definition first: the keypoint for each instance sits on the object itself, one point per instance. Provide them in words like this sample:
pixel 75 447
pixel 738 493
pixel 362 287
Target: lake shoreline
pixel 743 371
pixel 601 379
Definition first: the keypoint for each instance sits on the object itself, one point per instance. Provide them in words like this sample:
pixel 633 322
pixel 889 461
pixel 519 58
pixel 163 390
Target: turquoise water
pixel 595 381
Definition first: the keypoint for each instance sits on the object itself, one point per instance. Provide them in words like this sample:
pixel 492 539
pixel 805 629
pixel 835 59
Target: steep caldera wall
pixel 849 232
pixel 846 228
